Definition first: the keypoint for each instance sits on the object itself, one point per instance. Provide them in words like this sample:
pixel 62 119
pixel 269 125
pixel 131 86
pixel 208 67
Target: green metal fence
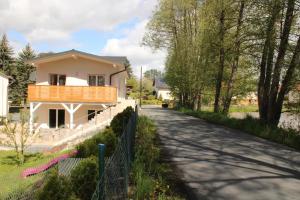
pixel 114 181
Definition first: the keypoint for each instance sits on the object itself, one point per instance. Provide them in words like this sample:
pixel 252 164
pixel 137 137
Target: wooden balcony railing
pixel 88 94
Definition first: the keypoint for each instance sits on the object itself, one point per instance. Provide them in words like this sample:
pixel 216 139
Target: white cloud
pixel 52 20
pixel 130 46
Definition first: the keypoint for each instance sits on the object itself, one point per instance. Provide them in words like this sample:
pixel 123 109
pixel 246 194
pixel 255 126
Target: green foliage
pixel 151 102
pixel 17 69
pixel 90 146
pixel 56 188
pixel 128 68
pixel 145 184
pixel 152 74
pixel 120 121
pixel 6 55
pixel 147 86
pixel 10 171
pixel 132 82
pixel 252 126
pixel 22 75
pixel 151 97
pixel 146 150
pixel 84 178
pixel 149 175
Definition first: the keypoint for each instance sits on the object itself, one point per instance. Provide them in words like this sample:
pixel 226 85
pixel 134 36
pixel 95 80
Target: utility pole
pixel 141 86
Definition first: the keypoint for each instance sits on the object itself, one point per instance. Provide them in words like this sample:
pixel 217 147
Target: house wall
pixel 165 94
pixel 78 70
pixel 3 96
pixel 41 115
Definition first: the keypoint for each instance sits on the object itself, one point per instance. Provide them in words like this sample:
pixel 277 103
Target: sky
pixel 101 27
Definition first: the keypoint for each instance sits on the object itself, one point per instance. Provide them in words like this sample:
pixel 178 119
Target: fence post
pixel 101 170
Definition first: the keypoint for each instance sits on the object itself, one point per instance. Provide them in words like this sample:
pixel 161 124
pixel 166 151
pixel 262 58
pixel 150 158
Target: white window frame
pixel 57 75
pixel 88 79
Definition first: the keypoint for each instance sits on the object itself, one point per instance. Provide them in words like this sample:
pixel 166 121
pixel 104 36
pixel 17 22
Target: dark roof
pixel 114 59
pixel 161 84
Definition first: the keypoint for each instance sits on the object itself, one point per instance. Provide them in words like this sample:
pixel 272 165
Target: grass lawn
pixel 10 172
pixel 234 108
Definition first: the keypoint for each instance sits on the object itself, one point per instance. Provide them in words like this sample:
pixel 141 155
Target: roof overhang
pixel 71 54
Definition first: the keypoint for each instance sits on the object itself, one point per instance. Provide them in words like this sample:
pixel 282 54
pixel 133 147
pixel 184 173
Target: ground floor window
pixel 92 113
pixel 56 118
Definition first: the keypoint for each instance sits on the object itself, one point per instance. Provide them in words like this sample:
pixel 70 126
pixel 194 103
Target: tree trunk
pixel 272 107
pixel 221 64
pixel 237 45
pixel 196 102
pixel 286 83
pixel 200 101
pixel 266 61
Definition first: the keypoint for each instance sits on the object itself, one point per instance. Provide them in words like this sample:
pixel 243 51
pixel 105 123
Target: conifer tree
pixel 25 70
pixel 6 55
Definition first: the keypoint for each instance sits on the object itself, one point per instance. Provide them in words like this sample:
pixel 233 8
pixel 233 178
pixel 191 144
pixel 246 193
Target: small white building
pixel 3 95
pixel 162 90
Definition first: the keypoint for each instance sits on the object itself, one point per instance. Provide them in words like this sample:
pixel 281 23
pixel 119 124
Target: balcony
pixel 72 94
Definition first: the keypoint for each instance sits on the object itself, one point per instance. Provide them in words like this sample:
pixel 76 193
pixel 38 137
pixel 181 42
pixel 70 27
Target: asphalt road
pixel 219 163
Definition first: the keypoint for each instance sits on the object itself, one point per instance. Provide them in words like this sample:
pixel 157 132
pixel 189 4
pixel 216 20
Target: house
pixel 294 94
pixel 72 87
pixel 161 89
pixel 246 100
pixel 3 95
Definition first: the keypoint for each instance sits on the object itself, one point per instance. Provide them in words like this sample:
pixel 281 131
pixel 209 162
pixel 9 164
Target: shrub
pixel 151 102
pixel 146 151
pixel 84 178
pixel 56 188
pixel 149 175
pixel 90 146
pixel 143 182
pixel 151 97
pixel 120 121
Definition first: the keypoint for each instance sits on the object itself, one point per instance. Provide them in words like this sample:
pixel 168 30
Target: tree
pixel 152 74
pixel 222 48
pixel 128 68
pixel 21 74
pixel 236 58
pixel 25 70
pixel 276 77
pixel 6 55
pixel 17 134
pixel 220 73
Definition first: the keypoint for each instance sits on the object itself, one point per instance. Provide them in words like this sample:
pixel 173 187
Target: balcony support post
pixel 71 110
pixel 33 108
pixel 71 116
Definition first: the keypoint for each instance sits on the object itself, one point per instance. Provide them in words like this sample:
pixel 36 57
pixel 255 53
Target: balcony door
pixel 56 118
pixel 57 79
pixel 96 80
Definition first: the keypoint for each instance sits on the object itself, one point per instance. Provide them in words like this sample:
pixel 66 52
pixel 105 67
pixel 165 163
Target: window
pixel 92 114
pixel 56 118
pixel 96 80
pixel 57 79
